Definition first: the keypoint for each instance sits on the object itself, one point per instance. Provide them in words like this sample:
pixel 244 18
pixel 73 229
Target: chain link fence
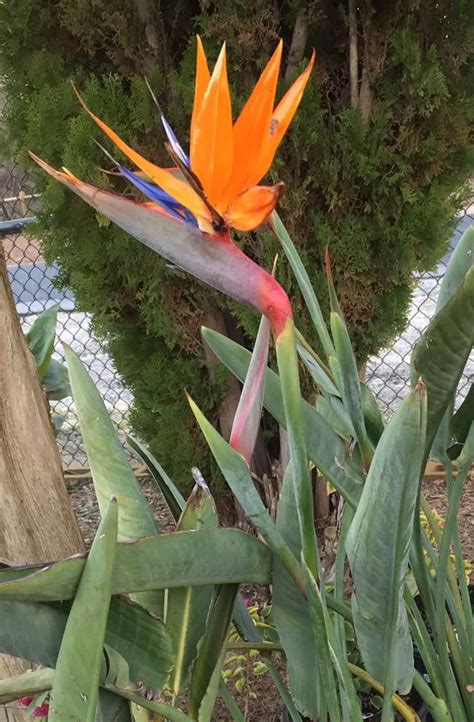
pixel 388 373
pixel 32 280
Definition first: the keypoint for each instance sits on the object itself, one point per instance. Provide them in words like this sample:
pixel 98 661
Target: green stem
pixel 290 384
pixel 283 690
pixel 425 645
pixel 169 713
pixel 230 703
pixel 304 283
pixel 341 608
pixel 436 706
pixel 399 704
pixel 462 668
pixel 326 668
pixel 459 561
pixel 260 646
pixel 442 573
pixel 424 579
pixel 348 515
pixel 453 603
pixel 451 576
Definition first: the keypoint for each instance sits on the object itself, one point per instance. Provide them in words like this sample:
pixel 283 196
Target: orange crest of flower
pixel 227 160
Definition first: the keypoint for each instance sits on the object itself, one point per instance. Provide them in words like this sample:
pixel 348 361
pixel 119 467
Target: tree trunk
pixel 37 523
pixel 353 54
pixel 298 45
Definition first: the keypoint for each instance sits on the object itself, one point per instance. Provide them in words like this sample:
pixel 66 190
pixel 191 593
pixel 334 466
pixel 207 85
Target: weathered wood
pixel 36 518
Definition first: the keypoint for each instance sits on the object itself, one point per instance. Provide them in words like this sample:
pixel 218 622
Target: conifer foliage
pixel 375 165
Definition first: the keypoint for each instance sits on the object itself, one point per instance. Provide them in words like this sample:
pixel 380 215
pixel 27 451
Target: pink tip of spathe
pixel 274 302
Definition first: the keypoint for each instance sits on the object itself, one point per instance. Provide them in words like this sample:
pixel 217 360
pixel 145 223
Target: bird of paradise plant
pixel 191 208
pixel 187 219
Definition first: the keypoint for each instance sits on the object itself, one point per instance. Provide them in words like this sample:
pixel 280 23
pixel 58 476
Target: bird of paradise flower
pixel 192 206
pixel 187 220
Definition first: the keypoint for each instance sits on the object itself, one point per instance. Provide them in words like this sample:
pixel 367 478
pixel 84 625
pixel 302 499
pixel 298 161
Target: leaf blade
pixel 179 559
pixel 40 338
pixel 441 353
pixel 111 472
pixel 325 448
pixel 77 674
pixel 171 493
pixel 188 607
pixel 378 545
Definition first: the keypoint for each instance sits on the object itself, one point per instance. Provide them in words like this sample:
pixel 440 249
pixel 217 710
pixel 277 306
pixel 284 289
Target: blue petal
pixel 174 142
pixel 155 193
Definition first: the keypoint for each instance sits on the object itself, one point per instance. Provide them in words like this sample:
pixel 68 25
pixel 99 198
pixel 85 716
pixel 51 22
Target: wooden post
pixel 37 523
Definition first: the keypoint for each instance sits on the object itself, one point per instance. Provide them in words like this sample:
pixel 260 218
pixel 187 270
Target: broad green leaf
pixel 304 283
pixel 441 354
pixel 292 615
pixel 171 494
pixel 111 472
pixel 56 381
pixel 461 422
pixel 117 671
pixel 143 640
pixel 237 474
pixel 332 409
pixel 110 469
pixel 378 544
pixel 333 299
pixel 31 682
pixel 220 556
pixel 188 607
pixel 325 448
pixel 76 679
pixel 175 501
pixel 40 338
pixel 249 410
pixel 350 384
pixel 34 631
pixel 113 708
pixel 318 374
pixel 374 422
pixel 461 260
pixel 287 359
pixel 207 670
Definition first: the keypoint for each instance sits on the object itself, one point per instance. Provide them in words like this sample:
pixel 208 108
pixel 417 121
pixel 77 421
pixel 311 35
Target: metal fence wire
pixel 388 373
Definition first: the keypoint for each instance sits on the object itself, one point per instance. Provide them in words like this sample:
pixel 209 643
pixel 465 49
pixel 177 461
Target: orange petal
pixel 213 150
pixel 253 206
pixel 281 119
pixel 203 77
pixel 251 125
pixel 177 188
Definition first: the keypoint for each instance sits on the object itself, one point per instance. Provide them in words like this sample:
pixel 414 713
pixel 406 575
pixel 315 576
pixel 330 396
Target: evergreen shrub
pixel 378 180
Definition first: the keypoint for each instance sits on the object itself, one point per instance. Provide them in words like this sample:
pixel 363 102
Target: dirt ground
pixel 266 705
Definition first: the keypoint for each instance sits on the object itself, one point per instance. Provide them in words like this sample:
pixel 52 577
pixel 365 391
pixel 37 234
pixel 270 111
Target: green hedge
pixel 380 192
